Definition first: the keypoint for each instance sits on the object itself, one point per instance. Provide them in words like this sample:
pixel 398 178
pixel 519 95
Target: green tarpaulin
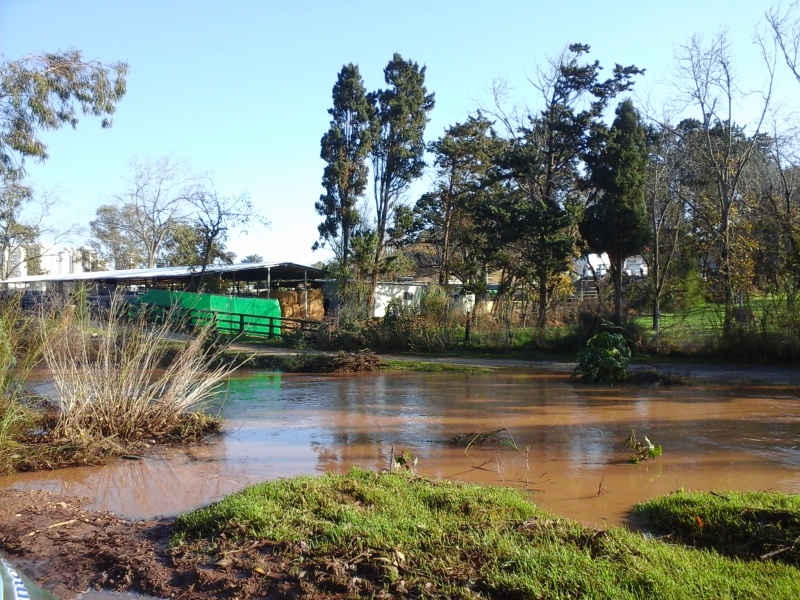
pixel 254 316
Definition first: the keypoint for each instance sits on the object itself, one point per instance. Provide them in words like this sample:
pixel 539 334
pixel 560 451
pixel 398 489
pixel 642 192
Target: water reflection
pixel 569 440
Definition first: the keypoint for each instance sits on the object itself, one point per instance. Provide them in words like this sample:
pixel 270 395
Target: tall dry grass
pixel 19 353
pixel 124 379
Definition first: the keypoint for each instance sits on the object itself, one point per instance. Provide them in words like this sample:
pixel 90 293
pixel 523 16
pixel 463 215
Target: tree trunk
pixel 616 274
pixel 541 322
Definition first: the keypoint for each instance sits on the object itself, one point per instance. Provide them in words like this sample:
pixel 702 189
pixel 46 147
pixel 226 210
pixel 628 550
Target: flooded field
pixel 561 441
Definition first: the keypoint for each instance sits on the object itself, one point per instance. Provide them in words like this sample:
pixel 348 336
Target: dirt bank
pixel 68 550
pixel 701 372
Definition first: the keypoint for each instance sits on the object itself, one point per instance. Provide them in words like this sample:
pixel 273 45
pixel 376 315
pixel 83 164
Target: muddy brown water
pixel 561 442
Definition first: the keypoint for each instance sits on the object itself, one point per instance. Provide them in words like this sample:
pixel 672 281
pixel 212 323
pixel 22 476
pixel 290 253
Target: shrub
pixel 604 360
pixel 18 354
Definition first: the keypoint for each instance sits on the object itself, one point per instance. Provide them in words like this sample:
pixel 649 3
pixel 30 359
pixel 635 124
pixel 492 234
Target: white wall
pixel 408 293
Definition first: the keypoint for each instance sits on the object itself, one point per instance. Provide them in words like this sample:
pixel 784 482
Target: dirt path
pixel 701 372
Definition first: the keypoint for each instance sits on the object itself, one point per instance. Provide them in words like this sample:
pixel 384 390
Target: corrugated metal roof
pixel 245 272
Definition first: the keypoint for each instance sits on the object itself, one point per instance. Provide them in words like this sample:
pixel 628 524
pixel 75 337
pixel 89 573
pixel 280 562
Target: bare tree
pixel 665 209
pixel 216 215
pixel 778 166
pixel 707 82
pixel 785 29
pixel 142 217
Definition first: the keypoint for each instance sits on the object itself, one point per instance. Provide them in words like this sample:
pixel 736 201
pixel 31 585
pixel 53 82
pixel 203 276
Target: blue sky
pixel 240 89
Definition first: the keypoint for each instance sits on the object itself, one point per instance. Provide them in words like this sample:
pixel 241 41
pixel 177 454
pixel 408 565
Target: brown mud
pixel 69 550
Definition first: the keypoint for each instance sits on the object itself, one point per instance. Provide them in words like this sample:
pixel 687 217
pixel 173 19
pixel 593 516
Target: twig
pixel 499 470
pixel 70 522
pixel 600 488
pixel 476 468
pixel 774 552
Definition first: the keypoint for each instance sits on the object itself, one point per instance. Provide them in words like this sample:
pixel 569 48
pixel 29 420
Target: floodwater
pixel 560 441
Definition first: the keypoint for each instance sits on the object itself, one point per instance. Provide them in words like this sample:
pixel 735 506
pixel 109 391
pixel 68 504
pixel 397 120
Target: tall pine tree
pixel 398 148
pixel 615 221
pixel 345 148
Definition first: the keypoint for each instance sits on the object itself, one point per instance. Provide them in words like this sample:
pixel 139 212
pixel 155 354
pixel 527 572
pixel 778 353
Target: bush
pixel 604 360
pixel 111 384
pixel 346 334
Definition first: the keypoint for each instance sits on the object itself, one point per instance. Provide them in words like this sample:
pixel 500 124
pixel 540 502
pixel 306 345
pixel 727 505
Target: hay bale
pixel 293 303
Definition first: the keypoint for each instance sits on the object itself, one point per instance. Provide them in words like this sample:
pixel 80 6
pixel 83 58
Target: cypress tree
pixel 615 222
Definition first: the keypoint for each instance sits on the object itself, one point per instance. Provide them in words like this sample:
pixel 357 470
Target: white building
pixel 409 293
pixel 12 263
pixel 50 262
pixel 590 266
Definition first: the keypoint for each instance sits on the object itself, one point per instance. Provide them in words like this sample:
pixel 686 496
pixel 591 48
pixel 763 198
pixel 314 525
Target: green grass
pixel 418 538
pixel 748 525
pixel 703 321
pixel 433 367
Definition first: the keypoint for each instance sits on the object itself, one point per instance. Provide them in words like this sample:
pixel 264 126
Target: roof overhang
pixel 240 272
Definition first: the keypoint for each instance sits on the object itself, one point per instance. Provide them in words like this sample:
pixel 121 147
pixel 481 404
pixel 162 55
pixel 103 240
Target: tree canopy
pixel 47 91
pixel 615 222
pixel 345 148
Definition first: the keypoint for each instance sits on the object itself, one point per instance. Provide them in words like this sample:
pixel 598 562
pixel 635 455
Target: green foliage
pixel 347 333
pixel 616 221
pixel 604 360
pixel 46 91
pixel 19 352
pixel 747 525
pixel 445 218
pixel 398 146
pixel 185 246
pixel 18 232
pixel 413 537
pixel 642 449
pixel 19 348
pixel 345 148
pixel 535 219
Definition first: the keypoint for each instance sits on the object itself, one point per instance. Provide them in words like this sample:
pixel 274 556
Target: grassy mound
pixel 750 525
pixel 386 535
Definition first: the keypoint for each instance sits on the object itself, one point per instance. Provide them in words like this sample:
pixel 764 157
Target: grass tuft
pixel 749 525
pixel 400 536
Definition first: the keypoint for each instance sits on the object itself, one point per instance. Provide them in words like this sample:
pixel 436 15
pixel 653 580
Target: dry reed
pixel 112 383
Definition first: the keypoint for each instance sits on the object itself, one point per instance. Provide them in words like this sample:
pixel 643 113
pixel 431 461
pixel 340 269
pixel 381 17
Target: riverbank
pixel 370 535
pixel 690 371
pixel 112 550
